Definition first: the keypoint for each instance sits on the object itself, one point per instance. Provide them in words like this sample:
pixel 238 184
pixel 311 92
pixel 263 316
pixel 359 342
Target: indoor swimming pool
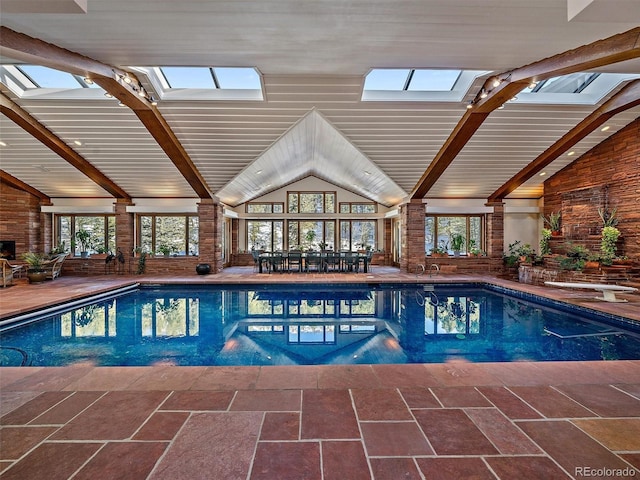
pixel 315 325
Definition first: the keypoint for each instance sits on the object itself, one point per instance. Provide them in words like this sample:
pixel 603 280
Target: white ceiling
pixel 313 56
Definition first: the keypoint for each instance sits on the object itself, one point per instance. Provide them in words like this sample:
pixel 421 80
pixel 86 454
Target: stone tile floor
pixel 436 421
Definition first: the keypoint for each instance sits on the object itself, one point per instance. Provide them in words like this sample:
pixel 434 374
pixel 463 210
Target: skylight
pixel 572 83
pixel 38 76
pixel 211 78
pixel 425 80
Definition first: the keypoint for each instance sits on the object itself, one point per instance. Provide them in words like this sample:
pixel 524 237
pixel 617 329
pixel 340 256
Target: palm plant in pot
pixel 35 269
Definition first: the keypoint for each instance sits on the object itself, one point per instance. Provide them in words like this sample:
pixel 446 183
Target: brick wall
pixel 606 176
pixel 412 217
pixel 20 220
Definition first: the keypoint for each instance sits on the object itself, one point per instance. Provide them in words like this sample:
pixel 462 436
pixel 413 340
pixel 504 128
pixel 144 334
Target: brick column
pixel 495 230
pixel 210 234
pixel 412 216
pixel 125 239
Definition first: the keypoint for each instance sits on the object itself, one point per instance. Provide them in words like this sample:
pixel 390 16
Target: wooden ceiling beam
pixel 27 49
pixel 618 48
pixel 625 99
pixel 23 119
pixel 16 183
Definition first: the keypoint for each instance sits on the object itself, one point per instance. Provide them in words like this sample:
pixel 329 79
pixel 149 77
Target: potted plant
pixel 35 270
pixel 610 236
pixel 525 253
pixel 164 249
pixel 84 239
pixel 554 220
pixel 457 243
pixel 474 251
pixel 575 259
pixel 545 246
pixel 608 218
pixel 441 250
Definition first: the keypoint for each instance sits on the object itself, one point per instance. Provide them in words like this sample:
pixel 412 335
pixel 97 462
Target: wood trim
pixel 12 181
pixel 23 119
pixel 618 48
pixel 625 99
pixel 24 48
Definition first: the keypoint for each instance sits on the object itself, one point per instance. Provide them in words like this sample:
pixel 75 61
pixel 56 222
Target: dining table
pixel 265 259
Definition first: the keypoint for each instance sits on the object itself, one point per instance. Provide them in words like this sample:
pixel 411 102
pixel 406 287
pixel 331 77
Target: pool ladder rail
pixel 434 269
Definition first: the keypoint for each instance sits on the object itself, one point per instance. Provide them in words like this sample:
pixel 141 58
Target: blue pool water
pixel 319 324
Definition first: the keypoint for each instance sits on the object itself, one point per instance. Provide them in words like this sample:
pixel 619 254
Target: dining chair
pixel 294 260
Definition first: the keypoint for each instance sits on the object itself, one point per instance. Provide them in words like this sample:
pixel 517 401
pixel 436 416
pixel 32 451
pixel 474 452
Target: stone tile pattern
pixel 324 423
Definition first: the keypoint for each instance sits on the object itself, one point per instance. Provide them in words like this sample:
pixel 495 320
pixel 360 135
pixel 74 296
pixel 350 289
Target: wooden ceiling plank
pixel 24 48
pixel 621 47
pixel 14 182
pixel 625 99
pixel 23 119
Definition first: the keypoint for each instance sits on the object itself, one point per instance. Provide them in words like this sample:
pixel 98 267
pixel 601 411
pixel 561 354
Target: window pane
pixel 345 208
pixel 429 234
pixel 95 227
pixel 258 235
pixel 278 208
pixel 188 77
pixel 171 231
pixel 292 201
pixel 311 203
pixel 311 233
pixel 259 208
pixel 434 80
pixel 293 240
pixel 330 234
pixel 45 77
pixel 64 234
pixel 194 235
pixel 386 79
pixel 363 234
pixel 329 203
pixel 146 233
pixel 447 227
pixel 237 78
pixel 345 236
pixel 278 236
pixel 111 234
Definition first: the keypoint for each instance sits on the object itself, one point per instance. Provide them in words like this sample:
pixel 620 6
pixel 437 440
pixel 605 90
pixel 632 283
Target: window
pixel 265 235
pixel 311 202
pixel 438 231
pixel 312 234
pixel 101 228
pixel 452 316
pixel 355 234
pixel 268 207
pixel 411 79
pixel 176 233
pixel 238 78
pixel 349 207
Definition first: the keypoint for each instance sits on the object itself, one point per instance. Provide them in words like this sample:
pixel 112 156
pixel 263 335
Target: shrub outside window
pixel 265 235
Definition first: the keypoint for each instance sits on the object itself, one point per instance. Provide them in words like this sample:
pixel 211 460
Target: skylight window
pixel 211 78
pixel 43 77
pixel 572 83
pixel 417 80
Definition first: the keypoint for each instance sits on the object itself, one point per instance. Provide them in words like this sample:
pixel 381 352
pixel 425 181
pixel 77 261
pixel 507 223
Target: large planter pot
pixel 36 276
pixel 203 269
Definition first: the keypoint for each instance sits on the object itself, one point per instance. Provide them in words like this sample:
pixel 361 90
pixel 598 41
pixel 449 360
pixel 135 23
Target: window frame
pixel 73 245
pixel 482 217
pixel 154 244
pixel 307 192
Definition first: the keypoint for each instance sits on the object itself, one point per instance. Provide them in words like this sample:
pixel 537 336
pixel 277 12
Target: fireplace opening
pixel 8 249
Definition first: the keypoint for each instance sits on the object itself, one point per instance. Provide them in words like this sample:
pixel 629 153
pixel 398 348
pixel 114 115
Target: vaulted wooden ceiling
pixel 313 57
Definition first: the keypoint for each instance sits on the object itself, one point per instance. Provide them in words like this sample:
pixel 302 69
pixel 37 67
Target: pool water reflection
pixel 308 325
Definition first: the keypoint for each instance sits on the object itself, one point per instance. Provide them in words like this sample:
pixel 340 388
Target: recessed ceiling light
pixel 108 95
pixel 533 85
pixel 542 174
pixel 572 152
pixel 122 104
pixel 605 128
pixel 78 142
pixel 88 81
pixel 258 172
pixel 496 82
pixel 366 172
pixel 501 107
pixel 2 144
